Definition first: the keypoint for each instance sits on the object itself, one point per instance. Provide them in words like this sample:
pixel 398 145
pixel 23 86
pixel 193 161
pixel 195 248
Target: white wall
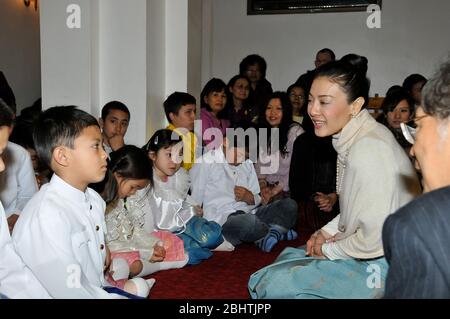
pixel 67 55
pixel 123 61
pixel 20 50
pixel 413 39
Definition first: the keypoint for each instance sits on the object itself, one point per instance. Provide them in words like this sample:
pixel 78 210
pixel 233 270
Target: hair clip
pixel 156 140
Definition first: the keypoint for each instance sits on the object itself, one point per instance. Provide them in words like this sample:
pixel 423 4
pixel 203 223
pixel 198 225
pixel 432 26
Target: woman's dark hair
pixel 161 139
pixel 359 61
pixel 286 121
pixel 350 78
pixel 253 59
pixel 213 85
pixel 130 162
pixel 411 80
pixel 6 114
pixel 392 99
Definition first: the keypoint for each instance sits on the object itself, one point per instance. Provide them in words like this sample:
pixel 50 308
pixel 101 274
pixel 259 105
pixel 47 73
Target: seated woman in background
pixel 413 84
pixel 297 97
pixel 312 178
pixel 238 108
pixel 275 150
pixel 398 107
pixel 212 101
pixel 374 179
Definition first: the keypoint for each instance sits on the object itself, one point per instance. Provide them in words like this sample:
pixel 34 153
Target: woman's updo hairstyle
pixel 351 78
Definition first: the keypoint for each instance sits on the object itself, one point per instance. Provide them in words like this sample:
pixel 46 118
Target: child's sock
pixel 119 268
pixel 270 240
pixel 290 235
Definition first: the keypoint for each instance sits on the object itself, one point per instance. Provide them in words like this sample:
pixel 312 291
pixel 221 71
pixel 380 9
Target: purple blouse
pixel 210 139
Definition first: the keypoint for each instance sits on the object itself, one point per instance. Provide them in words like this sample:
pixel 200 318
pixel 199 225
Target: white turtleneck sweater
pixel 376 178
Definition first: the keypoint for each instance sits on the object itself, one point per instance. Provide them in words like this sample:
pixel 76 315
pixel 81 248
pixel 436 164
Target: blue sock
pixel 290 235
pixel 270 240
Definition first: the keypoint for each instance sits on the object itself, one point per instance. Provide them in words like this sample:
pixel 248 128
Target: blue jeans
pixel 246 227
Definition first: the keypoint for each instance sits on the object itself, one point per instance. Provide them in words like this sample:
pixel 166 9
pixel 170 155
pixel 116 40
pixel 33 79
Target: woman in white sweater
pixel 345 259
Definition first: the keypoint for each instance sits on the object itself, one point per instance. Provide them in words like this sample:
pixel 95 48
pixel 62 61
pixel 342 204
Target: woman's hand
pixel 325 202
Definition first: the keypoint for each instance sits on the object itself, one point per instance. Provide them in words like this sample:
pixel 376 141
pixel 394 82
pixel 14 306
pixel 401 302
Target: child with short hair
pixel 225 182
pixel 16 280
pixel 134 251
pixel 180 111
pixel 114 123
pixel 60 233
pixel 171 206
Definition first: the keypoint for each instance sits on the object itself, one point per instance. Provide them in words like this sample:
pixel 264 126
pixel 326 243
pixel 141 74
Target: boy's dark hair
pixel 59 126
pixel 329 51
pixel 114 105
pixel 6 114
pixel 175 101
pixel 253 59
pixel 239 136
pixel 161 139
pixel 130 162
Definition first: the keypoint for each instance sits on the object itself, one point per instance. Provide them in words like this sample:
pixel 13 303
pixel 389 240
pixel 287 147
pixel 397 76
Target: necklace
pixel 340 173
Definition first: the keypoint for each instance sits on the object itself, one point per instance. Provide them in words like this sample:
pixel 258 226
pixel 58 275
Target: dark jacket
pixel 416 242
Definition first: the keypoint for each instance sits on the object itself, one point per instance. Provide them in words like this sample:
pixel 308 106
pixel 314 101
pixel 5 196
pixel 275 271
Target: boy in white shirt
pixel 17 183
pixel 114 124
pixel 225 182
pixel 60 233
pixel 16 280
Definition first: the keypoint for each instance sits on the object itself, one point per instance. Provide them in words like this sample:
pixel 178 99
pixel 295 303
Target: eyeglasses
pixel 408 132
pixel 295 96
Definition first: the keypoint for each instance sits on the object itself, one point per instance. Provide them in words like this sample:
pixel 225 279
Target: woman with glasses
pixel 297 98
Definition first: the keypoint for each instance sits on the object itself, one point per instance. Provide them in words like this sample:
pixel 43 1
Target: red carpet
pixel 224 276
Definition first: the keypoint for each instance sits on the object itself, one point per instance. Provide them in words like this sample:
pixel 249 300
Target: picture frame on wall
pixel 307 6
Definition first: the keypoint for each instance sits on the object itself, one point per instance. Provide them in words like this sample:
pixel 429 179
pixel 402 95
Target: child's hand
pixel 159 253
pixel 108 258
pixel 266 195
pixel 199 211
pixel 242 194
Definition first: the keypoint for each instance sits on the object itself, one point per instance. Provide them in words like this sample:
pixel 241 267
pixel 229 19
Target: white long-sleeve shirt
pixel 18 182
pixel 213 181
pixel 60 237
pixel 16 280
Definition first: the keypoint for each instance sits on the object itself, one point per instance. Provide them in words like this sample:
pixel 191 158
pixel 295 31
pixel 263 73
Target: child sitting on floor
pixel 60 232
pixel 134 252
pixel 171 205
pixel 225 182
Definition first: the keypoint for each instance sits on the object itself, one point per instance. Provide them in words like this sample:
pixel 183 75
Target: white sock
pixel 119 268
pixel 138 286
pixel 149 268
pixel 225 246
